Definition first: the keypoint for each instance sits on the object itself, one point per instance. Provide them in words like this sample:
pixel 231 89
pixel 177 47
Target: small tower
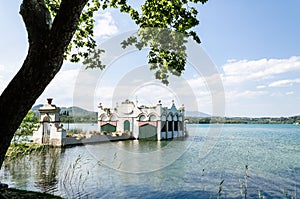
pixel 50 131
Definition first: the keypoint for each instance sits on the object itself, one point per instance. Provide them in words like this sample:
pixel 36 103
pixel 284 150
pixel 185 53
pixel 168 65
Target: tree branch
pixel 64 27
pixel 37 19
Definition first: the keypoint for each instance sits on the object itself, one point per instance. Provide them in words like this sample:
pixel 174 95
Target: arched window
pixel 113 118
pixel 126 125
pixel 175 125
pixel 163 126
pixel 170 122
pixel 104 118
pixel 46 129
pixel 152 118
pixel 170 118
pixel 175 118
pixel 142 118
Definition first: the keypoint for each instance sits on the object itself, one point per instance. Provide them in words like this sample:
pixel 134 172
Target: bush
pixel 28 125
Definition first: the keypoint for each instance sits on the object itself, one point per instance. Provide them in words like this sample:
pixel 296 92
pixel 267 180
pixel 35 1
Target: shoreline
pixel 13 193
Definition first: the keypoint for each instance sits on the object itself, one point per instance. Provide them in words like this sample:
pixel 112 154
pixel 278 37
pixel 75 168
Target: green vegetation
pixel 28 125
pixel 78 119
pixel 20 145
pixel 243 120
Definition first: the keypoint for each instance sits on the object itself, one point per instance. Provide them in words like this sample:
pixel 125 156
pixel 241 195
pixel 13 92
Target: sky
pixel 251 50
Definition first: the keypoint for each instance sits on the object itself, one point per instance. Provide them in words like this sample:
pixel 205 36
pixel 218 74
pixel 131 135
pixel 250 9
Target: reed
pixel 220 188
pixel 74 175
pixel 244 184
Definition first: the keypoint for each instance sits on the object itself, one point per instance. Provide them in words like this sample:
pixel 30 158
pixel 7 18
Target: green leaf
pixel 171 20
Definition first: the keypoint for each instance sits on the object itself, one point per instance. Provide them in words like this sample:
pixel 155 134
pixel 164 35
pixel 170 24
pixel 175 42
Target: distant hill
pixel 36 107
pixel 72 111
pixel 77 111
pixel 72 114
pixel 196 114
pixel 77 114
pixel 246 120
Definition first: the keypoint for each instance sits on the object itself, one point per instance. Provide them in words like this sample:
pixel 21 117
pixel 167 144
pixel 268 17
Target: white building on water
pixel 142 122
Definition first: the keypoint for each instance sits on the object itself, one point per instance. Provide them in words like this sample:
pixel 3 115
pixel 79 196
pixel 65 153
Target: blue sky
pixel 255 46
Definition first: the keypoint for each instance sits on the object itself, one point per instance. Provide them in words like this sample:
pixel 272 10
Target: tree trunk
pixel 47 44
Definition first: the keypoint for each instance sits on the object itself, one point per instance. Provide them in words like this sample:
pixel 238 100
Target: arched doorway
pixel 108 128
pixel 46 129
pixel 148 132
pixel 126 125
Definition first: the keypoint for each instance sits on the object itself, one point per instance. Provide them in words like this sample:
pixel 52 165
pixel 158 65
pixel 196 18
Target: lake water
pixel 189 168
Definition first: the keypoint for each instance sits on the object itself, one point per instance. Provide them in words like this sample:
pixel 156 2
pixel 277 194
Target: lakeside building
pixel 123 122
pixel 50 131
pixel 142 122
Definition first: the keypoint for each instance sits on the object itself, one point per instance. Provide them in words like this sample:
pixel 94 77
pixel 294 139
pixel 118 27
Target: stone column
pixel 166 130
pixel 172 128
pixel 158 129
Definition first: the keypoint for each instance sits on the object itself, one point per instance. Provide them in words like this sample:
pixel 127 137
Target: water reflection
pixel 18 172
pixel 36 172
pixel 47 167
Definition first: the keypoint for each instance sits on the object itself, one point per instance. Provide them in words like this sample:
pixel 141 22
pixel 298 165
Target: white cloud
pixel 277 94
pixel 237 95
pixel 284 83
pixel 105 25
pixel 231 60
pixel 257 70
pixel 251 82
pixel 61 88
pixel 260 86
pixel 198 82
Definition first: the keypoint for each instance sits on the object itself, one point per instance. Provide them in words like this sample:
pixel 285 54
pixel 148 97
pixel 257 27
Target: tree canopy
pixel 164 26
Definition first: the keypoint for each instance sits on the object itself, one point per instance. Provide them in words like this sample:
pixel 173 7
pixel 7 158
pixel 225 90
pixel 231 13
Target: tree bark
pixel 47 44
